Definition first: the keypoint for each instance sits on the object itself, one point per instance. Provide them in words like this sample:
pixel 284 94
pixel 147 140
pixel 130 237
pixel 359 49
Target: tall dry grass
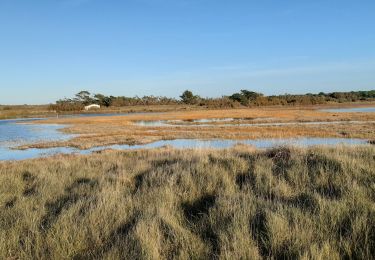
pixel 191 204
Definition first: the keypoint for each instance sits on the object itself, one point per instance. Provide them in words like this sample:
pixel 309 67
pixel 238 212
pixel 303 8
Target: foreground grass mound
pixel 191 204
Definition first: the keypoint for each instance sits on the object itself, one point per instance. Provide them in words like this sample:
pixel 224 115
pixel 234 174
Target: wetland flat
pixel 261 128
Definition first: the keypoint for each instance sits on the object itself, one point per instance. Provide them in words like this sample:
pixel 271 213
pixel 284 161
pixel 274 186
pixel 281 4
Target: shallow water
pixel 8 154
pixel 13 133
pixel 259 143
pixel 236 122
pixel 212 120
pixel 153 123
pixel 351 110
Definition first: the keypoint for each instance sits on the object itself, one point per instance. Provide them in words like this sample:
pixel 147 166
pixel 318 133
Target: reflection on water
pixel 236 122
pixel 351 110
pixel 10 154
pixel 153 123
pixel 13 133
pixel 212 120
pixel 7 154
pixel 259 143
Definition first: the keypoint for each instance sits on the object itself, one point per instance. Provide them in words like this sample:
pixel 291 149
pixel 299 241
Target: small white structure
pixel 93 106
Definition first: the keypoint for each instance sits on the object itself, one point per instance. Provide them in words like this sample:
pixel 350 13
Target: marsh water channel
pixel 351 110
pixel 14 133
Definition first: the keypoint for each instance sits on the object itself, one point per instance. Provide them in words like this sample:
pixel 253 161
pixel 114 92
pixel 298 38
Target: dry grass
pixel 285 114
pixel 101 131
pixel 182 204
pixel 24 111
pixel 30 111
pixel 42 111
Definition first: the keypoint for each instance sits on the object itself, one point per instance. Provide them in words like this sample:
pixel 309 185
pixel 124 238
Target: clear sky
pixel 50 49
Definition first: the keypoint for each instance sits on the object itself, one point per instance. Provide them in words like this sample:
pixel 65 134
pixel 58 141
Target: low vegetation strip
pixel 187 101
pixel 102 131
pixel 237 203
pixel 244 98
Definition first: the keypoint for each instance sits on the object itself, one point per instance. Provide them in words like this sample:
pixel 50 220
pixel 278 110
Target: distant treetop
pixel 245 98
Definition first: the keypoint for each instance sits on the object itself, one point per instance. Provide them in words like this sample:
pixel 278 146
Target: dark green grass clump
pixel 238 203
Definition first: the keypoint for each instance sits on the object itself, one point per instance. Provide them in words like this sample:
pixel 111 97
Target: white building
pixel 93 106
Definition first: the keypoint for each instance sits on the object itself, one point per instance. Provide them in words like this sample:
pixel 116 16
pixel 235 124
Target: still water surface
pixel 14 133
pixel 351 110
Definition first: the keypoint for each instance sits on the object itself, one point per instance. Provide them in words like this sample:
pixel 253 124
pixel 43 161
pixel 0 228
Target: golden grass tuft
pixel 237 203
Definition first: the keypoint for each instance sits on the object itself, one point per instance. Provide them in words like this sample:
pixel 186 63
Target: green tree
pixel 250 95
pixel 188 97
pixel 245 97
pixel 103 100
pixel 84 97
pixel 238 97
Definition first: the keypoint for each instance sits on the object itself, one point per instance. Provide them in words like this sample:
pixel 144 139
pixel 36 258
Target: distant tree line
pixel 243 98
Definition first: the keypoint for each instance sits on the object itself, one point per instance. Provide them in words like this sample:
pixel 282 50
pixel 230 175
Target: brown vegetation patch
pixel 102 131
pixel 191 204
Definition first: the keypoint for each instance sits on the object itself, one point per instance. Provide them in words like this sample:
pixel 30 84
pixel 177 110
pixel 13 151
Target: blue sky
pixel 50 49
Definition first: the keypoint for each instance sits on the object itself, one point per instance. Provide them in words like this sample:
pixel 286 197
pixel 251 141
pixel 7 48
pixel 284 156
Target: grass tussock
pixel 191 204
